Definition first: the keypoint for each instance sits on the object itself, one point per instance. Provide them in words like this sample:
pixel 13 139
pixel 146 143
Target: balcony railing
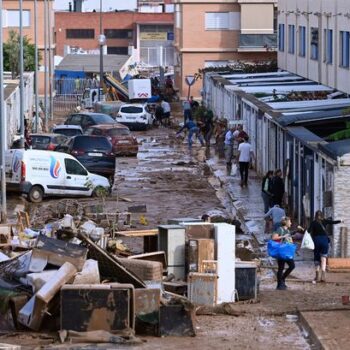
pixel 251 41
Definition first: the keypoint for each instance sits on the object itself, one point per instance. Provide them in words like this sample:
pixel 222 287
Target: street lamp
pixel 101 42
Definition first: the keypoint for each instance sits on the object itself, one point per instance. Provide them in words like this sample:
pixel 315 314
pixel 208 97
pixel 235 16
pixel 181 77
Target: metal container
pixel 202 288
pixel 246 280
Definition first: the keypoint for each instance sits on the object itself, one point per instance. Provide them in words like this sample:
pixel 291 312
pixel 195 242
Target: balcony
pixel 257 42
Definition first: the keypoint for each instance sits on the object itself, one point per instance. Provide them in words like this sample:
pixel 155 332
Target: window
pixel 80 33
pixel 344 49
pixel 74 168
pixel 291 38
pixel 302 41
pixel 314 43
pixel 222 21
pixel 328 46
pixel 117 50
pixel 118 33
pixel 75 119
pixel 12 18
pixel 281 37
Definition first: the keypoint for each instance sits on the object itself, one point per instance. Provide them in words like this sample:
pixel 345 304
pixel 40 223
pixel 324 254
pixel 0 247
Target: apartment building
pixel 216 33
pixel 11 22
pixel 314 40
pixel 148 37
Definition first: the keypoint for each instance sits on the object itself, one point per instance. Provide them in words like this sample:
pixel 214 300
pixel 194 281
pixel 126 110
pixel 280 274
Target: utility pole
pixel 21 69
pixel 50 59
pixel 45 65
pixel 3 127
pixel 36 66
pixel 101 41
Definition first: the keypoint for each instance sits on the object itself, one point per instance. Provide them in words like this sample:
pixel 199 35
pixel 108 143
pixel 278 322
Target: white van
pixel 38 173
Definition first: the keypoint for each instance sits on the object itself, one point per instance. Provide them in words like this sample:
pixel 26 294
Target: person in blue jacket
pixel 193 129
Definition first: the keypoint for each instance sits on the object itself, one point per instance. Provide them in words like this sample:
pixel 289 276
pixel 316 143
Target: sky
pixel 95 4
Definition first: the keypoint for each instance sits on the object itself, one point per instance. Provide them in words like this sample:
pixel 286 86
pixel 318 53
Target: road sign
pixel 190 80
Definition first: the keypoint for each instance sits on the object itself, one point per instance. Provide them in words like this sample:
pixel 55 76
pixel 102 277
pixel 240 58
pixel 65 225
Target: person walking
pixel 245 155
pixel 283 235
pixel 186 106
pixel 277 188
pixel 193 129
pixel 166 112
pixel 276 213
pixel 229 149
pixel 266 190
pixel 320 237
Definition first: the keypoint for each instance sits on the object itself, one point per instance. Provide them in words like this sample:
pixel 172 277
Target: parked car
pixel 68 130
pixel 87 119
pixel 94 152
pixel 47 141
pixel 38 173
pixel 124 144
pixel 136 116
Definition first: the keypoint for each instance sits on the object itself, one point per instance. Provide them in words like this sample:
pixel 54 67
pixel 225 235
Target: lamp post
pixel 36 67
pixel 21 69
pixel 101 42
pixel 3 128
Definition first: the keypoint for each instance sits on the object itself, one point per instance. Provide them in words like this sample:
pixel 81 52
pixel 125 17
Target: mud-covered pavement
pixel 172 182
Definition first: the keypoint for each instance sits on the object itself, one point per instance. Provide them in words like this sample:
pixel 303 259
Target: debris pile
pixel 71 274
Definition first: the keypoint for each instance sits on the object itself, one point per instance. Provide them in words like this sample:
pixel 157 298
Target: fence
pixel 66 102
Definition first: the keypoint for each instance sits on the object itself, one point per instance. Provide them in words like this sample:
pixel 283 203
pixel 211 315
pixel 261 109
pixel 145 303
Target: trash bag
pixel 285 251
pixel 307 242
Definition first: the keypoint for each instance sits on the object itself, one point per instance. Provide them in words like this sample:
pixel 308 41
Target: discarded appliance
pixel 202 288
pixel 246 282
pixel 172 241
pixel 225 240
pixel 95 307
pixel 199 250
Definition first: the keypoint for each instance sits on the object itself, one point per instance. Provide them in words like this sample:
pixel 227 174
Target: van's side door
pixel 76 181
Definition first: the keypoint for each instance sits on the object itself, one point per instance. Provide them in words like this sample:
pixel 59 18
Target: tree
pixel 11 54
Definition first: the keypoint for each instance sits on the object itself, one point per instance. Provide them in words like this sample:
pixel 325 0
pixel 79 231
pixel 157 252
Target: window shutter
pixel 234 21
pixel 217 20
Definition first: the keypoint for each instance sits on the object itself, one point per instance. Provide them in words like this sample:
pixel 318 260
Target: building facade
pixel 11 22
pixel 314 40
pixel 219 33
pixel 148 37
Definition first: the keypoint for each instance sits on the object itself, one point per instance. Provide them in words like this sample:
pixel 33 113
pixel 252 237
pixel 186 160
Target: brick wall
pixel 110 20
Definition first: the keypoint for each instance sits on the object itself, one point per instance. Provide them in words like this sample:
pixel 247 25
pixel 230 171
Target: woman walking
pixel 320 237
pixel 283 235
pixel 266 190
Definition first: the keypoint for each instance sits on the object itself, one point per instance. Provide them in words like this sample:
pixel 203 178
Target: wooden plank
pixel 338 263
pixel 140 233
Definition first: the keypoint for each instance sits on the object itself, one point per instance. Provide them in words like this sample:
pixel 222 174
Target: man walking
pixel 277 188
pixel 245 155
pixel 229 138
pixel 166 112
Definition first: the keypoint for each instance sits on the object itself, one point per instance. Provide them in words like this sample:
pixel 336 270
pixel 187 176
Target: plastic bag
pixel 285 251
pixel 234 169
pixel 307 242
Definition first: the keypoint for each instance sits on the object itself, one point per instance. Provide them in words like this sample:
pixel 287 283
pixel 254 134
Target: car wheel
pixel 36 194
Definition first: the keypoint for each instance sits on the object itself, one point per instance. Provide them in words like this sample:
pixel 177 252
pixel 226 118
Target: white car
pixel 136 116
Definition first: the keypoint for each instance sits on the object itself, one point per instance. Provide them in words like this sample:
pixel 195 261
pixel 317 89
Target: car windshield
pixel 131 109
pixel 119 132
pixel 68 132
pixel 91 143
pixel 40 140
pixel 103 119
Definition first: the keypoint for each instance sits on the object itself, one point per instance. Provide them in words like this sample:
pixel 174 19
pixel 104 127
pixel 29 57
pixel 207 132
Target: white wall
pixel 323 14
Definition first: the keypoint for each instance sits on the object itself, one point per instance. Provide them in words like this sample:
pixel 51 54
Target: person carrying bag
pixel 281 247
